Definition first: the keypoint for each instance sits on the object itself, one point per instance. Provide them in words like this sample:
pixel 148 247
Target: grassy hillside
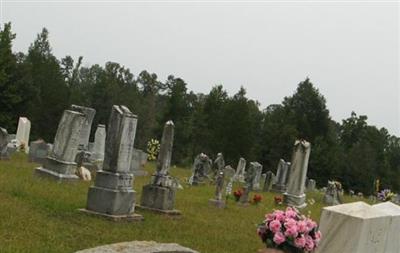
pixel 37 215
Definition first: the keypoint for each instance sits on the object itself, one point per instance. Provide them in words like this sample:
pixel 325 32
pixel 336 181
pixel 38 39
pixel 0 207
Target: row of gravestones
pixel 112 194
pixel 9 143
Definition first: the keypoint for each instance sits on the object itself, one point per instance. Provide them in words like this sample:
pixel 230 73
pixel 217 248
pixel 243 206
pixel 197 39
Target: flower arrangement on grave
pixel 385 195
pixel 237 194
pixel 289 231
pixel 153 147
pixel 256 199
pixel 278 200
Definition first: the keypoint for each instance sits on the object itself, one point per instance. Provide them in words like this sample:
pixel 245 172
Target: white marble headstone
pixel 392 240
pixel 23 132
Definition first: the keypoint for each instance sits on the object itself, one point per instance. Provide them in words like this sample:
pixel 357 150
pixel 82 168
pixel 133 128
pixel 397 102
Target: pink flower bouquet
pixel 289 231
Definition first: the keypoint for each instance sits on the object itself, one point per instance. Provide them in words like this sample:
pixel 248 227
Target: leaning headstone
pixel 60 164
pixel 354 228
pixel 87 125
pixel 282 175
pixel 38 151
pixel 139 247
pixel 218 201
pixel 240 170
pixel 159 195
pixel 112 195
pixel 23 132
pixel 294 195
pixel 269 180
pixel 257 177
pixel 4 154
pixel 311 184
pixel 392 241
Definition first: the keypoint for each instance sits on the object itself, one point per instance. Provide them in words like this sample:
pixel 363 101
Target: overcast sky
pixel 350 50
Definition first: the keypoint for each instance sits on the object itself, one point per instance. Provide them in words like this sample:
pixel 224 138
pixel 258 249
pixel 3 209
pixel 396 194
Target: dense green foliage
pixel 40 86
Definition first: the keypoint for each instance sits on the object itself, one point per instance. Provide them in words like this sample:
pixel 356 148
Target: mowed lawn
pixel 38 215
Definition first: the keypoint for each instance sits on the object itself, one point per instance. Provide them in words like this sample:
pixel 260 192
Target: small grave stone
pixel 311 185
pixel 38 151
pixel 60 164
pixel 240 170
pixel 112 195
pixel 257 177
pixel 282 175
pixel 23 132
pixel 249 183
pixel 332 195
pixel 4 154
pixel 218 201
pixel 136 164
pixel 219 164
pixel 294 195
pixel 200 169
pixel 159 195
pixel 99 143
pixel 269 180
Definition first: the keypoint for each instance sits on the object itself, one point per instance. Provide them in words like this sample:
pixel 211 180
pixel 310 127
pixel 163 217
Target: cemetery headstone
pixel 136 165
pixel 311 184
pixel 87 124
pixel 229 174
pixel 38 151
pixel 99 143
pixel 240 170
pixel 60 164
pixel 219 164
pixel 249 183
pixel 269 180
pixel 331 196
pixel 200 169
pixel 218 201
pixel 23 132
pixel 257 177
pixel 4 154
pixel 159 195
pixel 112 195
pixel 294 195
pixel 355 227
pixel 282 175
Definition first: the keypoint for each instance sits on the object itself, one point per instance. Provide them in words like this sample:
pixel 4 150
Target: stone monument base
pixel 43 172
pixel 111 201
pixel 159 199
pixel 217 203
pixel 294 200
pixel 117 218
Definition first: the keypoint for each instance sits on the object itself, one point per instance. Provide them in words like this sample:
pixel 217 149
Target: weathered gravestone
pixel 4 154
pixel 99 143
pixel 240 170
pixel 144 156
pixel 392 243
pixel 139 247
pixel 38 151
pixel 294 195
pixel 229 174
pixel 257 177
pixel 218 201
pixel 353 228
pixel 249 183
pixel 159 195
pixel 219 164
pixel 282 175
pixel 269 180
pixel 112 195
pixel 136 165
pixel 332 196
pixel 86 126
pixel 60 164
pixel 23 132
pixel 311 184
pixel 200 169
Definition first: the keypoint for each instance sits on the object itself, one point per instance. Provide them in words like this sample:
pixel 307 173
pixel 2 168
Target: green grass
pixel 38 215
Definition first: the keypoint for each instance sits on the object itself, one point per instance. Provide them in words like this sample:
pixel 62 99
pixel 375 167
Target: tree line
pixel 39 86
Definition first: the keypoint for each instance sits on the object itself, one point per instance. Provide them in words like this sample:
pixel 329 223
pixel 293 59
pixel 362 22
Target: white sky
pixel 350 50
